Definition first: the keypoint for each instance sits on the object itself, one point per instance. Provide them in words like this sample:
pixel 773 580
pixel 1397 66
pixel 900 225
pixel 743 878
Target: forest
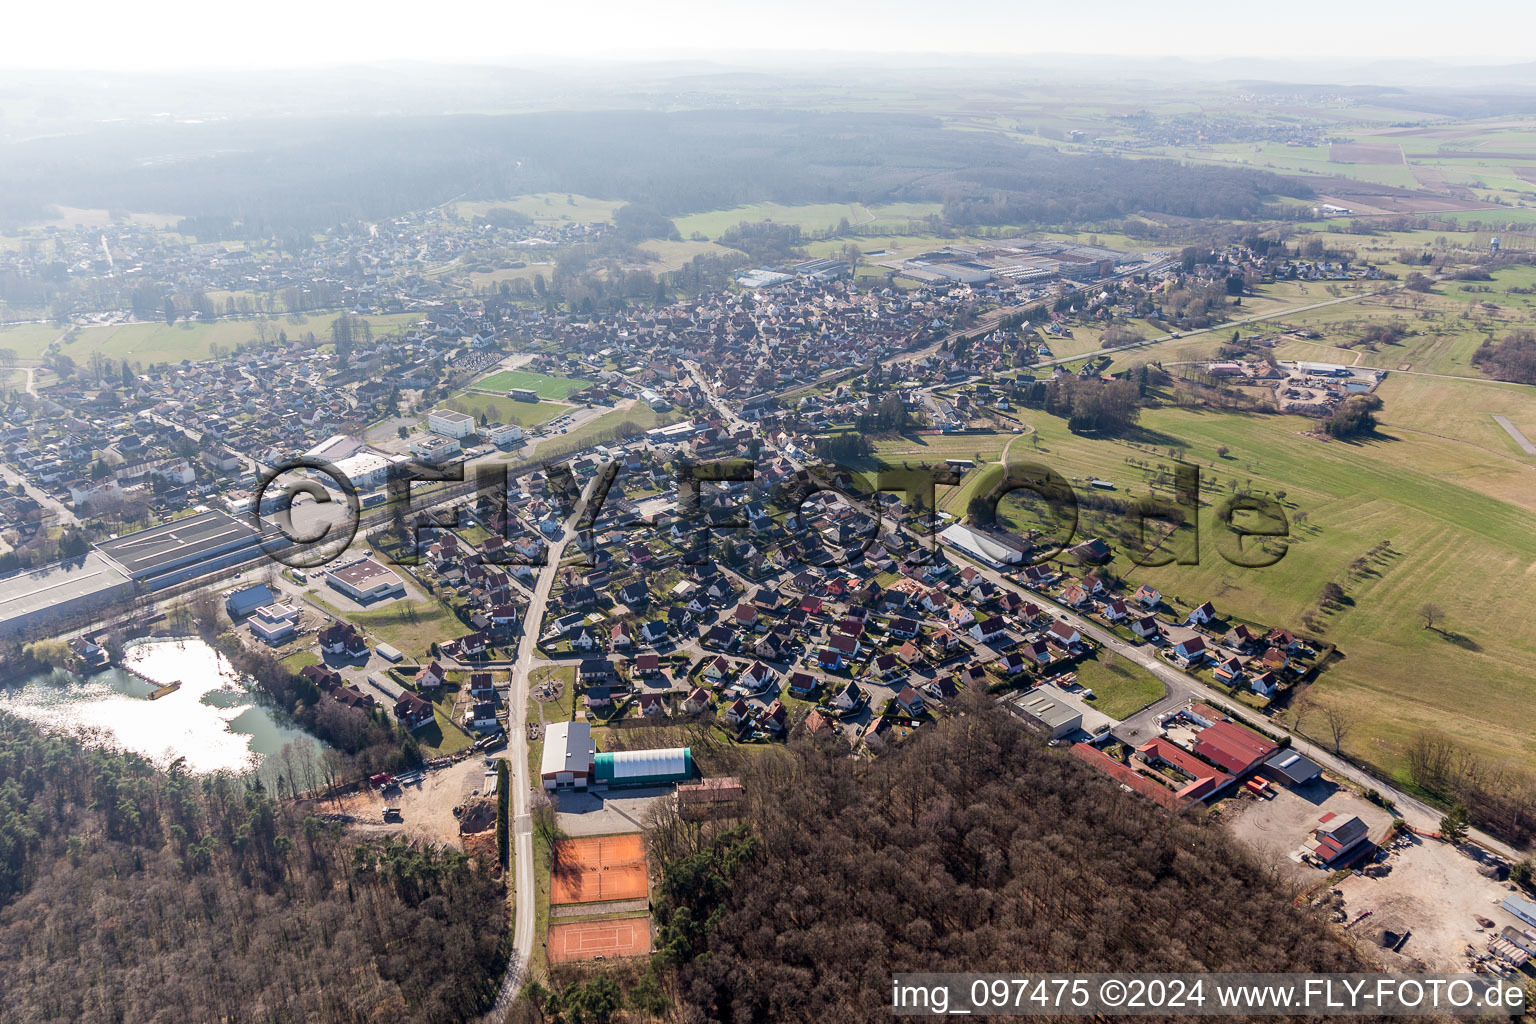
pixel 130 893
pixel 971 847
pixel 1512 358
pixel 274 177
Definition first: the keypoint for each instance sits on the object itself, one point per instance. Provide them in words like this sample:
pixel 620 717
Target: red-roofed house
pixel 1233 747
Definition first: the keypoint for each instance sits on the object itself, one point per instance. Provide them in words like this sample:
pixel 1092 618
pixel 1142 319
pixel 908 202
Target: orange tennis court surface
pixel 581 940
pixel 598 868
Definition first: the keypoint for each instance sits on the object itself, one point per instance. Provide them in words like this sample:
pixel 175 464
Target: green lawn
pixel 1120 687
pixel 411 627
pixel 298 661
pixel 504 409
pixel 442 737
pixel 558 388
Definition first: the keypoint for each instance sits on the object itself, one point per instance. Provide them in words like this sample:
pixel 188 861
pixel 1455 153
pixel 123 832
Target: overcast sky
pixel 170 35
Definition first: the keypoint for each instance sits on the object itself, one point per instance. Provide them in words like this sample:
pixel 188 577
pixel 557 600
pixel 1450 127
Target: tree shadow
pixel 1461 640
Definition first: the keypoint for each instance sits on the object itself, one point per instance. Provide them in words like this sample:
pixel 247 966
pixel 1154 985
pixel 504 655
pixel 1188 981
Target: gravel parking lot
pixel 1277 827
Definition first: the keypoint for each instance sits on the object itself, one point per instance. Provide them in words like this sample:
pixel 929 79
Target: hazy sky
pixel 168 35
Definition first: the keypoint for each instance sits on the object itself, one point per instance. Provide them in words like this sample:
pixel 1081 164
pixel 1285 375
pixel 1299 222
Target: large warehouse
pixel 163 556
pixel 995 549
pixel 645 767
pixel 48 596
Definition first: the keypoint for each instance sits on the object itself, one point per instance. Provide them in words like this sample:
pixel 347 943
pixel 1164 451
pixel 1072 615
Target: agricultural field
pixel 557 388
pixel 1439 500
pixel 147 343
pixel 811 217
pixel 544 206
pixel 669 255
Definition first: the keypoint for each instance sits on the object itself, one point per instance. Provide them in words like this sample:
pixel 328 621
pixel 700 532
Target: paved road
pixel 516 754
pixel 1516 433
pixel 63 512
pixel 1180 687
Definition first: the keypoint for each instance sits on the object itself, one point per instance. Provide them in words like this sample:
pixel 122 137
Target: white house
pixel 1201 615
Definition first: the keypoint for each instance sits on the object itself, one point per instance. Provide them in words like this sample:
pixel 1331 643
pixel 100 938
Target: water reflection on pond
pixel 212 721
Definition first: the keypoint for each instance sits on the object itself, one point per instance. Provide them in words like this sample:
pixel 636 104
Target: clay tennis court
pixel 597 868
pixel 583 940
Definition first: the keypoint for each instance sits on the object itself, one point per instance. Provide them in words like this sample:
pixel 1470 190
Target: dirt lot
pixel 1432 892
pixel 426 807
pixel 1276 828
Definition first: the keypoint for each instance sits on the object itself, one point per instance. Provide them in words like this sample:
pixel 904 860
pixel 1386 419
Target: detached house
pixel 1065 634
pixel 1202 615
pixel 1190 650
pixel 990 630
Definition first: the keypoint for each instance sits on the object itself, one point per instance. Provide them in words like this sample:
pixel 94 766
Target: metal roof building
pixel 50 594
pixel 1054 716
pixel 174 552
pixel 645 767
pixel 567 759
pixel 991 548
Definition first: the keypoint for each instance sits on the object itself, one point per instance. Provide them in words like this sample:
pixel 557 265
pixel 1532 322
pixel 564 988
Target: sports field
pixel 598 868
pixel 505 410
pixel 558 388
pixel 587 940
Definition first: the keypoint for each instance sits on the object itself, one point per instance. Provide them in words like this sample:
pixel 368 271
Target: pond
pixel 212 720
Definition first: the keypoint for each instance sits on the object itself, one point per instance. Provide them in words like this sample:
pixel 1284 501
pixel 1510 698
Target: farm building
pixel 645 767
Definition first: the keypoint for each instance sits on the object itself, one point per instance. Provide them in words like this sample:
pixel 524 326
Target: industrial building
pixel 1015 261
pixel 240 603
pixel 501 433
pixel 185 549
pixel 1290 768
pixel 365 580
pixel 433 448
pixel 994 549
pixel 569 756
pixel 645 767
pixel 32 601
pixel 450 423
pixel 366 470
pixel 1052 715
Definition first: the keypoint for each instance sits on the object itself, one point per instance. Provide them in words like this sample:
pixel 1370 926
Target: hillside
pixel 130 893
pixel 972 848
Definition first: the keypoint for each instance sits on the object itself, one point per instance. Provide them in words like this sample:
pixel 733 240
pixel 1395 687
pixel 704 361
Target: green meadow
pixel 1445 490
